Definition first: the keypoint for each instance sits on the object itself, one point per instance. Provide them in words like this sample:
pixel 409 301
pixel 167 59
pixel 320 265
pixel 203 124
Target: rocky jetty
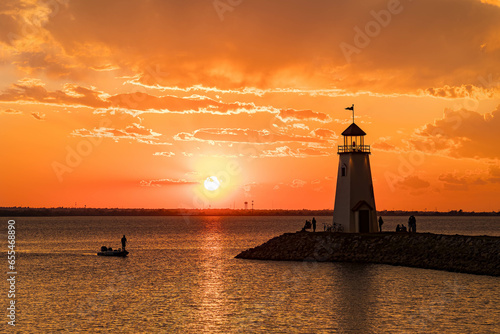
pixel 458 253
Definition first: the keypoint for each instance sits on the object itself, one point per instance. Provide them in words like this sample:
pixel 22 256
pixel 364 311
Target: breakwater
pixel 458 253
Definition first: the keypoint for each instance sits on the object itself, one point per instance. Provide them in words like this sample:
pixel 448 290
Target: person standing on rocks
pixel 314 224
pixel 412 224
pixel 380 223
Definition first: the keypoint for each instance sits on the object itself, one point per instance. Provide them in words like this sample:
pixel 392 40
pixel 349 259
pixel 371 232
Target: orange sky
pixel 136 103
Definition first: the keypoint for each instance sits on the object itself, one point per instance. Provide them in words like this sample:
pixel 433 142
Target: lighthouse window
pixel 343 170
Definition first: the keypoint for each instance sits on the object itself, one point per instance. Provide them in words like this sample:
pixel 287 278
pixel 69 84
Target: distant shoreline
pixel 56 212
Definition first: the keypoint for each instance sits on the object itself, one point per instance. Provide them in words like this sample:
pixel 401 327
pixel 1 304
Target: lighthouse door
pixel 364 221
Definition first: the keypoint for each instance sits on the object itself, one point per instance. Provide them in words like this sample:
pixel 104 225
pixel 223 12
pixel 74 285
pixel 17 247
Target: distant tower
pixel 246 205
pixel 252 205
pixel 354 198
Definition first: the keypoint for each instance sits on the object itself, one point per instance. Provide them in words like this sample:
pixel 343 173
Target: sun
pixel 212 183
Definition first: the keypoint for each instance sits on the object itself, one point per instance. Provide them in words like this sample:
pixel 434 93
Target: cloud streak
pixel 134 132
pixel 237 135
pixel 287 115
pixel 165 182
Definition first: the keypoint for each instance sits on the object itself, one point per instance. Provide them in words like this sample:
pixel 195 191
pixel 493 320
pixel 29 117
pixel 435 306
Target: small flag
pixel 350 108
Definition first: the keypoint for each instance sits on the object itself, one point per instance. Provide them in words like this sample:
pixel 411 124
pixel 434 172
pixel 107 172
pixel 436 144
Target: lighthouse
pixel 354 207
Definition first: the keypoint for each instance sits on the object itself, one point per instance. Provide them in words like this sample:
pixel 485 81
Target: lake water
pixel 181 277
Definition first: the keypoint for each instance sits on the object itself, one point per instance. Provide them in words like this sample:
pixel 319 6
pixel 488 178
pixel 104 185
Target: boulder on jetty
pixel 458 253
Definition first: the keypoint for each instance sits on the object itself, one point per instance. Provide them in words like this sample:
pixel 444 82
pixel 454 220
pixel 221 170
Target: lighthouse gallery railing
pixel 353 148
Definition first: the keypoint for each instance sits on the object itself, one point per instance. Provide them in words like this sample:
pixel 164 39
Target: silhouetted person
pixel 412 224
pixel 403 228
pixel 124 242
pixel 314 224
pixel 307 226
pixel 398 228
pixel 380 223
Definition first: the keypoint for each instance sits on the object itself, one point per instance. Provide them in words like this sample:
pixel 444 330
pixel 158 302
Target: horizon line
pixel 228 209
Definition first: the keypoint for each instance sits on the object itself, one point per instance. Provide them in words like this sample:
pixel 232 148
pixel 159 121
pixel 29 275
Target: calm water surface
pixel 181 277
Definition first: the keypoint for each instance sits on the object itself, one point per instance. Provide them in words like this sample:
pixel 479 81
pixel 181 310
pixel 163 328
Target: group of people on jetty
pixel 412 225
pixel 309 224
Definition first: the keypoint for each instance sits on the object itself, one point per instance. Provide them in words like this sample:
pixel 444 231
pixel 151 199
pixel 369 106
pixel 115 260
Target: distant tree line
pixel 62 211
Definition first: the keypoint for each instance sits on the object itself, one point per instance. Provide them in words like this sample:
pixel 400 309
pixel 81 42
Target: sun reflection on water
pixel 210 297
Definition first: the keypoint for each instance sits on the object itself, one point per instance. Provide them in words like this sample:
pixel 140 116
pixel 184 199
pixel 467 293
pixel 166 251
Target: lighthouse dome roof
pixel 353 130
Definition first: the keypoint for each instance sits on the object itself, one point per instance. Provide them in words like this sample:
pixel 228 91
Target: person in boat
pixel 124 242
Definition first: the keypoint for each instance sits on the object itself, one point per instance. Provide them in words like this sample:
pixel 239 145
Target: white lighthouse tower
pixel 354 199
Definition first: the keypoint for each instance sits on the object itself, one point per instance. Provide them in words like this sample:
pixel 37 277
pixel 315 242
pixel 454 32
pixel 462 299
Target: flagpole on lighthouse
pixel 351 108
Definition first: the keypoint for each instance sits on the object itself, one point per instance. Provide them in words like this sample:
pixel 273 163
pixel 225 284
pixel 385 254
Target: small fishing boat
pixel 105 251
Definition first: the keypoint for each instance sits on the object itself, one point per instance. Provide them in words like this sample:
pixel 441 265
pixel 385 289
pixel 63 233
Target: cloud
pixel 33 90
pixel 412 182
pixel 287 115
pixel 300 126
pixel 297 183
pixel 132 132
pixel 164 154
pixel 165 182
pixel 492 2
pixel 285 151
pixel 12 111
pixel 464 91
pixel 461 133
pixel 325 133
pixel 233 49
pixel 38 116
pixel 194 104
pixel 33 49
pixel 383 145
pixel 237 135
pixel 454 181
pixel 71 39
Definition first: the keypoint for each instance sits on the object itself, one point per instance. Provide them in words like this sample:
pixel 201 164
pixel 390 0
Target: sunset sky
pixel 135 103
